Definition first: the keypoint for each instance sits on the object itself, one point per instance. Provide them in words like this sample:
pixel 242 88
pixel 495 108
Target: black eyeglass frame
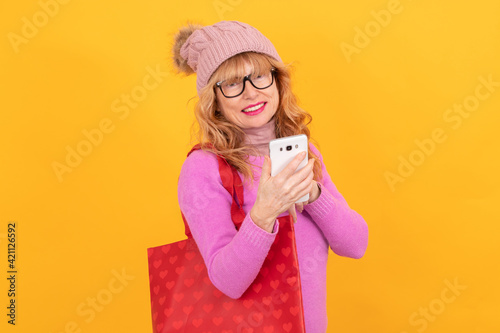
pixel 247 78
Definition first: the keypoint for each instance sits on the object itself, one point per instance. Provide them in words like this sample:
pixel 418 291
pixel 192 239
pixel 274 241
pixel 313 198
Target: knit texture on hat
pixel 207 48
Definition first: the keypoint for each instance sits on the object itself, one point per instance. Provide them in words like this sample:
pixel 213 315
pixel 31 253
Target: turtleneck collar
pixel 259 137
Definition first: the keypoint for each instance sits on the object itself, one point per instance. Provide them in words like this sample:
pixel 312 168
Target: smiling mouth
pixel 254 108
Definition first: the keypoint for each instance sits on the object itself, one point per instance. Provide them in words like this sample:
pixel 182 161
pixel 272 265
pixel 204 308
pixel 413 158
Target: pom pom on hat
pixel 180 64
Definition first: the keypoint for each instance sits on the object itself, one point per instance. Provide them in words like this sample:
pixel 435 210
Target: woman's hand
pixel 278 194
pixel 313 195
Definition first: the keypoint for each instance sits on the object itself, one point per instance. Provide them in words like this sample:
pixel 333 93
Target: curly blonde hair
pixel 216 134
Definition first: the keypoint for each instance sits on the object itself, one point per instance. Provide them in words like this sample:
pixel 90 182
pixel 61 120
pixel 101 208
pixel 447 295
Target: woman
pixel 245 100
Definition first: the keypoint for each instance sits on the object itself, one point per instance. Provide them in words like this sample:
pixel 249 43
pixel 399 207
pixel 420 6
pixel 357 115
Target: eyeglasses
pixel 234 87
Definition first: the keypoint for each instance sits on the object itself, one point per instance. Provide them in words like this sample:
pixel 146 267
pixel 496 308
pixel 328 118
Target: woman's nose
pixel 250 91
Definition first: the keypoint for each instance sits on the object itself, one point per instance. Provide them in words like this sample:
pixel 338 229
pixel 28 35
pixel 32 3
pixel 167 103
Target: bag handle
pixel 232 183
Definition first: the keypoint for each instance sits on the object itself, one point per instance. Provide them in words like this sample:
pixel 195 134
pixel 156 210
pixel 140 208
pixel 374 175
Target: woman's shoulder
pixel 199 164
pixel 200 158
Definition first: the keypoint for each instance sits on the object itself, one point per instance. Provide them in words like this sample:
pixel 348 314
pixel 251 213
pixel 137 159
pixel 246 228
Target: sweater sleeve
pixel 345 229
pixel 233 257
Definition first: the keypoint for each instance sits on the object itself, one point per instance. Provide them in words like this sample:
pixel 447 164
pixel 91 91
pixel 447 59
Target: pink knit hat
pixel 207 48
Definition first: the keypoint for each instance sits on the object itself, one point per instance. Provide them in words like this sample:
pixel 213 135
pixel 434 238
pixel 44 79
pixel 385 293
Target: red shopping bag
pixel 183 299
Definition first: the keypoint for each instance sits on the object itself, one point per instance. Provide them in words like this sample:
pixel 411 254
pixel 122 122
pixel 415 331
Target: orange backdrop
pixel 95 126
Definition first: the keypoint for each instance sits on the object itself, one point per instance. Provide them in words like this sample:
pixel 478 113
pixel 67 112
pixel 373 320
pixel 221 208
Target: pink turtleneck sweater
pixel 234 258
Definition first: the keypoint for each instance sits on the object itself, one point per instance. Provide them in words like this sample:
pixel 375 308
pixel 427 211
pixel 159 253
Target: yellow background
pixel 438 226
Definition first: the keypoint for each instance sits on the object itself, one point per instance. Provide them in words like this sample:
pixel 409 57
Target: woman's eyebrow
pixel 253 72
pixel 240 77
pixel 234 78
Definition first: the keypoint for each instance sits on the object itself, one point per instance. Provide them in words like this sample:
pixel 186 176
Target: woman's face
pixel 232 108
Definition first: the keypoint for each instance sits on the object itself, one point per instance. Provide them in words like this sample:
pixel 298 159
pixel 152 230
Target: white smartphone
pixel 283 150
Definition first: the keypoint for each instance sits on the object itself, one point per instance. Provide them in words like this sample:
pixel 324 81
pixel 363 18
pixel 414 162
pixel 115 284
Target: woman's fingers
pixel 292 212
pixel 283 190
pixel 305 171
pixel 266 169
pixel 299 183
pixel 292 166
